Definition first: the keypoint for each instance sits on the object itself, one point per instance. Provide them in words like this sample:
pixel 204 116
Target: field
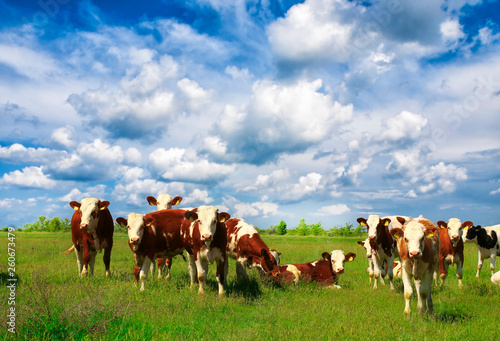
pixel 53 303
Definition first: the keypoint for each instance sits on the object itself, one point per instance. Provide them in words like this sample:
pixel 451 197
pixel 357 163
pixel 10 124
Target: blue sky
pixel 269 110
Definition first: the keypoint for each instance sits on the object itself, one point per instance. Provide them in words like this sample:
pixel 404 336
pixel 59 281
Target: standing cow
pixel 245 245
pixel 204 237
pixel 164 202
pixel 452 247
pixel 91 230
pixel 486 240
pixel 153 235
pixel 418 246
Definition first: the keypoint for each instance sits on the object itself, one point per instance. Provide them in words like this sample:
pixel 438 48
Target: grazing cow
pixel 325 271
pixel 153 235
pixel 418 246
pixel 452 247
pixel 486 240
pixel 91 230
pixel 385 251
pixel 204 237
pixel 496 277
pixel 245 245
pixel 164 202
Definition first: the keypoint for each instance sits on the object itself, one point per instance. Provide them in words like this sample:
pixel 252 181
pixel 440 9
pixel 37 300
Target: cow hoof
pixel 108 274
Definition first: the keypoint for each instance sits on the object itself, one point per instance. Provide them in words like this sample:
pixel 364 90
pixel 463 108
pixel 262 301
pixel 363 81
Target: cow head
pixel 337 259
pixel 164 201
pixel 89 209
pixel 135 224
pixel 372 223
pixel 455 229
pixel 471 233
pixel 367 244
pixel 207 218
pixel 414 236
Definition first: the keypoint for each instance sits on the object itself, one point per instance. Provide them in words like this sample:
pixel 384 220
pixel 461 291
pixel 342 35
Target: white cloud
pixel 198 197
pixel 29 177
pixel 451 30
pixel 307 185
pixel 338 209
pixel 405 125
pixel 19 154
pixel 64 136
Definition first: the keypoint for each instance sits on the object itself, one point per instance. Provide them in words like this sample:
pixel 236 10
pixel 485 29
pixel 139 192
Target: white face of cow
pixel 368 248
pixel 207 222
pixel 164 202
pixel 338 260
pixel 414 239
pixel 136 226
pixel 455 230
pixel 372 223
pixel 276 256
pixel 90 214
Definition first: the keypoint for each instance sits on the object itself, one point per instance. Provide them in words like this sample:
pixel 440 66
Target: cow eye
pixel 406 240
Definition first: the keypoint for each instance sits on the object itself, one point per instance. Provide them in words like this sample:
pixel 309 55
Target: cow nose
pixel 134 240
pixel 368 256
pixel 206 237
pixel 454 237
pixel 372 237
pixel 340 270
pixel 415 254
pixel 83 226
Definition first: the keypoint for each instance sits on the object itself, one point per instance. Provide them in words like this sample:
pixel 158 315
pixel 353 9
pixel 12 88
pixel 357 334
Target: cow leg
pixel 443 269
pixel 79 260
pixel 144 271
pixel 479 264
pixel 421 296
pixel 106 259
pixel 166 267
pixel 241 272
pixel 192 270
pixel 137 271
pixel 152 268
pixel 492 261
pixel 93 254
pixel 202 268
pixel 426 293
pixel 221 278
pixel 408 289
pixel 376 270
pixel 390 271
pixel 459 272
pixel 370 269
pixel 86 260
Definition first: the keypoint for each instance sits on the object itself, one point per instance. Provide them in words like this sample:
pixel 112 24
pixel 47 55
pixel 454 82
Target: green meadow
pixel 52 303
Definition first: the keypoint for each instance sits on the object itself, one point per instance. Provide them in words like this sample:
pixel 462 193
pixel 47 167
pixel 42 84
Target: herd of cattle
pixel 208 236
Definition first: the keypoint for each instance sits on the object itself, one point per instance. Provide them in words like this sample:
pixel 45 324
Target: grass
pixel 53 303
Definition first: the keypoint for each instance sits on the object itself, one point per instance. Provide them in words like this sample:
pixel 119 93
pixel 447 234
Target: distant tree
pixel 317 229
pixel 273 229
pixel 302 229
pixel 281 228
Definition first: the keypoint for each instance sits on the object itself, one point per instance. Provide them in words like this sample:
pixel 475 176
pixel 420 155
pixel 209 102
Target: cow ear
pixel 360 242
pixel 223 217
pixel 152 201
pixel 326 256
pixel 122 221
pixel 350 256
pixel 401 220
pixel 75 205
pixel 386 221
pixel 442 224
pixel 148 221
pixel 103 205
pixel 361 221
pixel 430 232
pixel 191 216
pixel 396 233
pixel 468 224
pixel 176 201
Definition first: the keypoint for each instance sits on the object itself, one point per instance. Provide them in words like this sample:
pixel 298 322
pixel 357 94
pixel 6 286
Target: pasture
pixel 53 303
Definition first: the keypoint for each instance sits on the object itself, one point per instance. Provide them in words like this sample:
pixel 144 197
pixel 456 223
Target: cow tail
pixel 68 251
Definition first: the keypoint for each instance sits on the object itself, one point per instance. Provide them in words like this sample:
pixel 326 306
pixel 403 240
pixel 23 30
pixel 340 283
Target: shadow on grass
pixel 6 278
pixel 452 314
pixel 249 289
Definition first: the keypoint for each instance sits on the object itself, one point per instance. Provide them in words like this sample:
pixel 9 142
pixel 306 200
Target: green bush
pixel 302 229
pixel 281 229
pixel 43 224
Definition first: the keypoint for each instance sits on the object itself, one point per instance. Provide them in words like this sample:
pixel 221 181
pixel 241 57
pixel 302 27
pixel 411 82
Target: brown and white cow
pixel 452 247
pixel 204 237
pixel 91 231
pixel 325 271
pixel 386 250
pixel 418 246
pixel 246 246
pixel 153 235
pixel 495 278
pixel 488 246
pixel 369 246
pixel 164 202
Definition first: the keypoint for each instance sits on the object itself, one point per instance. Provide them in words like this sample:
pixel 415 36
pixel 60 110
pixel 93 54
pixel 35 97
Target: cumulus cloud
pixel 337 209
pixel 279 119
pixel 64 136
pixel 29 177
pixel 179 164
pixel 405 125
pixel 199 197
pixel 19 154
pixel 307 185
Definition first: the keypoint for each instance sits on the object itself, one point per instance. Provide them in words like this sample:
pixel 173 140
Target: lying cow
pixel 486 240
pixel 164 202
pixel 91 230
pixel 325 271
pixel 245 245
pixel 496 277
pixel 204 237
pixel 153 235
pixel 452 247
pixel 418 246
